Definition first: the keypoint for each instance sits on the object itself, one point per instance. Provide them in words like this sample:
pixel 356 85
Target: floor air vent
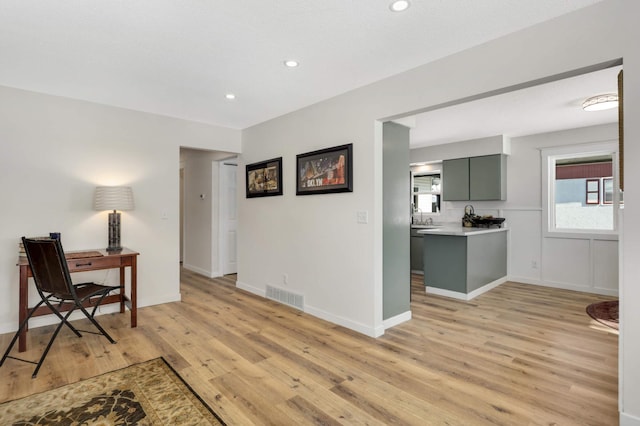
pixel 286 297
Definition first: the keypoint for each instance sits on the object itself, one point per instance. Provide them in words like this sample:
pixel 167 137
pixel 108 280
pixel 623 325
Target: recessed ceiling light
pixel 601 102
pixel 291 63
pixel 399 5
pixel 230 96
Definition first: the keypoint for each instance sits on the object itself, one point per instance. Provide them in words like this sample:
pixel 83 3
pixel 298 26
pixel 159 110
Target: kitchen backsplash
pixel 453 215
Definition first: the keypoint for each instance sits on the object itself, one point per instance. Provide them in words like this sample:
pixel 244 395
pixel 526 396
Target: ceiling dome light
pixel 230 96
pixel 291 63
pixel 601 102
pixel 399 5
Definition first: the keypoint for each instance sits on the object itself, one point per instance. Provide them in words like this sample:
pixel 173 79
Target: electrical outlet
pixel 534 264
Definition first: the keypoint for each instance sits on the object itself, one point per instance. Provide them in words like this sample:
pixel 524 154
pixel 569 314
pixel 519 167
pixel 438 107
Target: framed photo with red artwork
pixel 325 171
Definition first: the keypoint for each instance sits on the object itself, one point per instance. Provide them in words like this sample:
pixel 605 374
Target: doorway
pixel 204 202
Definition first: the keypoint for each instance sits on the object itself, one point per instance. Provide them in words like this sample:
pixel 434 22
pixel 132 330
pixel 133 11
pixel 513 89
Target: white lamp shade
pixel 113 198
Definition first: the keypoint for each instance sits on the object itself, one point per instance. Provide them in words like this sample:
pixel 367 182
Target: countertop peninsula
pixel 457 230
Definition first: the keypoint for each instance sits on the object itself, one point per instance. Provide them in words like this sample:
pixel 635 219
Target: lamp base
pixel 114 232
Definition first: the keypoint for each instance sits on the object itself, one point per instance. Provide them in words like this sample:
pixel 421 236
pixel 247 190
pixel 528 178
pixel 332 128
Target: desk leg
pixel 122 295
pixel 23 307
pixel 134 292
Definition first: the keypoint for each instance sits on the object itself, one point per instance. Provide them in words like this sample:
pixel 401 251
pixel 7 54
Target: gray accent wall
pixel 396 276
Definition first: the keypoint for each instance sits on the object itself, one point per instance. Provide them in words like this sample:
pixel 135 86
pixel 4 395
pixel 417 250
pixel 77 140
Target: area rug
pixel 605 313
pixel 149 393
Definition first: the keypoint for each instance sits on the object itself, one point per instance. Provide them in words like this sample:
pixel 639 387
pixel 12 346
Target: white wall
pixel 336 262
pixel 585 264
pixel 630 247
pixel 56 150
pixel 499 144
pixel 314 239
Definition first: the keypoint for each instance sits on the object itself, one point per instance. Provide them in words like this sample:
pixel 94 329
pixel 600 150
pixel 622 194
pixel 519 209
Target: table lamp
pixel 113 198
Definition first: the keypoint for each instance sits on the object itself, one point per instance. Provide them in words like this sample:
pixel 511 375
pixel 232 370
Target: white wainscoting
pixel 584 264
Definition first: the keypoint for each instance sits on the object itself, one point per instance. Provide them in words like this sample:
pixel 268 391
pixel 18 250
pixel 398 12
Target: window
pixel 426 193
pixel 607 191
pixel 579 182
pixel 593 191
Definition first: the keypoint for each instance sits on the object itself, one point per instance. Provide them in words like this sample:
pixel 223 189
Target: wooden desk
pixel 85 260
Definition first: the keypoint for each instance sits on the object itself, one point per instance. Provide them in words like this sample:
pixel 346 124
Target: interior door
pixel 229 217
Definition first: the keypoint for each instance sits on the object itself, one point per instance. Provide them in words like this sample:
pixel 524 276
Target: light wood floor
pixel 518 355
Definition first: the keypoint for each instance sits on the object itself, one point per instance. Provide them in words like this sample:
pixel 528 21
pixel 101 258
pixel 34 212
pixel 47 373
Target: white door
pixel 228 217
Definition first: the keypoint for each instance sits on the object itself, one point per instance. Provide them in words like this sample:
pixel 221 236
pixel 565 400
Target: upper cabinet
pixel 455 179
pixel 475 178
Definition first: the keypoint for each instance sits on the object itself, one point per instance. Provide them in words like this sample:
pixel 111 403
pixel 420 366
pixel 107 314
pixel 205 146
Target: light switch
pixel 363 216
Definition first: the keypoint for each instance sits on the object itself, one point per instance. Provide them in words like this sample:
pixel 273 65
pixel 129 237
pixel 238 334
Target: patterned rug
pixel 149 393
pixel 605 313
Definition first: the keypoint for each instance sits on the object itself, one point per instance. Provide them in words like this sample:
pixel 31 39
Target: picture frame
pixel 325 171
pixel 264 179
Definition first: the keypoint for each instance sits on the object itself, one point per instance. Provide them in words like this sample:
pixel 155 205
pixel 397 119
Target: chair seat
pixel 85 290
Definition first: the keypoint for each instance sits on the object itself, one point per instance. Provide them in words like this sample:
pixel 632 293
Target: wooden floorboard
pixel 517 355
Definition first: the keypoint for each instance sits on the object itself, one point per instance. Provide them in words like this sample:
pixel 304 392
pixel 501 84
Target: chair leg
pixel 95 323
pixel 20 328
pixel 62 319
pixel 53 337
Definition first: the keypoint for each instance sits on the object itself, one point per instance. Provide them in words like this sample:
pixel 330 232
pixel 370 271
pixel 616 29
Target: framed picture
pixel 325 171
pixel 264 179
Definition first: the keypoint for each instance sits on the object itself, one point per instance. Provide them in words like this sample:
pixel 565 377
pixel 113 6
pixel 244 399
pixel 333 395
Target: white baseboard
pixel 319 313
pixel 198 270
pixel 251 289
pixel 159 299
pixel 398 319
pixel 41 321
pixel 629 420
pixel 564 286
pixel 466 296
pixel 345 322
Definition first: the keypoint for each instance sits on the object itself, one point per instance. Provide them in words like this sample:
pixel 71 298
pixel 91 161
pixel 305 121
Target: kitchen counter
pixel 463 262
pixel 458 230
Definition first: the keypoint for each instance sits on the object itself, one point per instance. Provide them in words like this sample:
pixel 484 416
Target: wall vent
pixel 283 296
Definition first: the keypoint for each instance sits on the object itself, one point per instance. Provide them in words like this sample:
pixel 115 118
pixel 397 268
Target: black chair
pixel 53 282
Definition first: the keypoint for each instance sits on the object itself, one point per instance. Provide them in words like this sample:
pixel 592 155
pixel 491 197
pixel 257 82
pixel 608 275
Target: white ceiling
pixel 539 109
pixel 180 58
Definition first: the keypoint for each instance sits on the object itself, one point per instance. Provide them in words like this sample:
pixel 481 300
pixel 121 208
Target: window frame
pixel 604 191
pixel 597 191
pixel 548 160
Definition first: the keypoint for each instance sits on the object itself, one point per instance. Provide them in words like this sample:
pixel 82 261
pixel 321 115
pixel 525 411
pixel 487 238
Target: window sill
pixel 582 235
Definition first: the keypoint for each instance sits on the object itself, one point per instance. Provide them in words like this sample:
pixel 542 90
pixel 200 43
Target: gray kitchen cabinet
pixel 455 179
pixel 416 251
pixel 488 177
pixel 475 178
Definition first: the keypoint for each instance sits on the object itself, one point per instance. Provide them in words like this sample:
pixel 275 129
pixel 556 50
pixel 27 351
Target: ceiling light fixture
pixel 399 5
pixel 230 96
pixel 601 102
pixel 291 63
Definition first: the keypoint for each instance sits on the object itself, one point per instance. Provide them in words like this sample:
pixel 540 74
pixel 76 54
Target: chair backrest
pixel 48 265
